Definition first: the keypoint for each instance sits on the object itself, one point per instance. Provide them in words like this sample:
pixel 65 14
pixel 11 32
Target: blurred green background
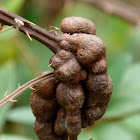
pixel 21 60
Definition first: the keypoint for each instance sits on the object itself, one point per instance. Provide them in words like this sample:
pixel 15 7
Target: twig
pixel 10 98
pixel 30 29
pixel 6 29
pixel 117 8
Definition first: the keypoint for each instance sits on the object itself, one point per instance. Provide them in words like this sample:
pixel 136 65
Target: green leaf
pixel 121 106
pixel 130 84
pixel 21 115
pixel 128 95
pixel 133 44
pixel 132 123
pixel 112 131
pixel 117 68
pixel 12 137
pixel 8 48
pixel 7 83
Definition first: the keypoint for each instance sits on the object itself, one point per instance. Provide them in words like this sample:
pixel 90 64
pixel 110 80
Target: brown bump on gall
pixel 55 61
pixel 46 89
pixel 77 78
pixel 70 96
pixel 94 113
pixel 101 98
pixel 60 123
pixel 43 109
pixel 100 66
pixel 60 58
pixel 77 25
pixel 70 42
pixel 91 49
pixel 68 70
pixel 106 94
pixel 97 83
pixel 44 131
pixel 36 100
pixel 65 55
pixel 73 120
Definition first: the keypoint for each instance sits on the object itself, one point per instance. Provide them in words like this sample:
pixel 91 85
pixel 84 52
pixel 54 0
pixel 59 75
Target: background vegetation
pixel 21 60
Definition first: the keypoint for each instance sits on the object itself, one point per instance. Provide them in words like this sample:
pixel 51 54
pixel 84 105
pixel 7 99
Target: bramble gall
pixel 81 89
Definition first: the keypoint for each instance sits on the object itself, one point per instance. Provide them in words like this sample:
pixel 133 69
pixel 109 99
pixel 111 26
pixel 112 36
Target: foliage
pixel 21 60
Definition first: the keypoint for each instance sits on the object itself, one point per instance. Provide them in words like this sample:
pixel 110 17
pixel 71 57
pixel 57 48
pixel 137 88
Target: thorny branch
pixel 10 98
pixel 30 29
pixel 117 8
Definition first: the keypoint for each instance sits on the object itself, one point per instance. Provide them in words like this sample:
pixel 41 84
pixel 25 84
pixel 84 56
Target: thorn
pixel 28 22
pixel 28 35
pixel 32 88
pixel 18 85
pixel 1 26
pixel 50 65
pixel 12 101
pixel 5 95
